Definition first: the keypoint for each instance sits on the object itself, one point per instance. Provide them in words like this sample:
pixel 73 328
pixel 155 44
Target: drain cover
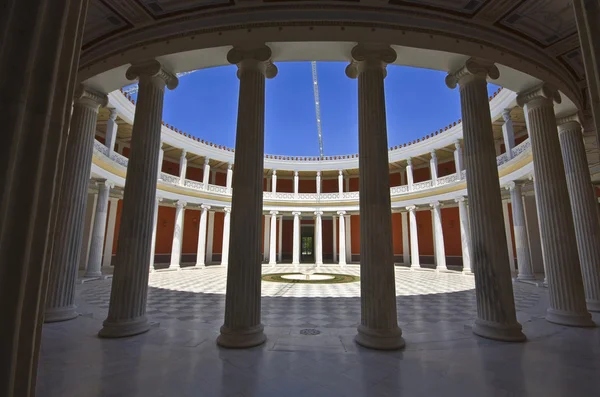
pixel 309 331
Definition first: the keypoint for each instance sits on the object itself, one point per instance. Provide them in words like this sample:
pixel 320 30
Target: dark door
pixel 307 248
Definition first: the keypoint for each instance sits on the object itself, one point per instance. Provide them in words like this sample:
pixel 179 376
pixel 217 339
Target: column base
pixel 174 267
pixel 468 272
pixel 120 329
pixel 93 275
pixel 593 305
pixel 569 319
pixel 525 277
pixel 241 338
pixel 272 264
pixel 441 269
pixel 198 266
pixel 501 332
pixel 380 339
pixel 415 266
pixel 60 314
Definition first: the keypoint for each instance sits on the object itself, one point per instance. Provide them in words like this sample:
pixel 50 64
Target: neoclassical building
pixel 508 191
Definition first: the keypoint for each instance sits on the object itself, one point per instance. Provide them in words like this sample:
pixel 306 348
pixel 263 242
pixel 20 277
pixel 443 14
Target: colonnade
pixel 569 241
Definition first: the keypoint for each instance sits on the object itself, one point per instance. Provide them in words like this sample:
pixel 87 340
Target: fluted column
pixel 584 207
pixel 183 167
pixel 342 234
pixel 94 268
pixel 508 235
pixel 60 301
pixel 273 239
pixel 226 233
pixel 110 232
pixel 111 131
pixel 433 168
pixel 296 182
pixel 415 263
pixel 440 251
pixel 280 240
pixel 334 227
pixel 206 173
pixel 341 184
pixel 318 238
pixel 266 237
pixel 154 230
pixel 296 241
pixel 378 327
pixel 127 310
pixel 405 243
pixel 563 271
pixel 177 235
pixel 465 234
pixel 348 229
pixel 274 181
pixel 201 250
pixel 210 237
pixel 508 133
pixel 229 177
pixel 242 326
pixel 409 174
pixel 318 183
pixel 496 314
pixel 458 159
pixel 520 230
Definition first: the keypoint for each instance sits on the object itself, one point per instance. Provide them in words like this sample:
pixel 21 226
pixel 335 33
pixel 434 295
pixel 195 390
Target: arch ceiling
pixel 527 38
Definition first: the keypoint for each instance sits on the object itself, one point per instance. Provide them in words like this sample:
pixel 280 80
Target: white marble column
pixel 433 168
pixel 242 326
pixel 318 238
pixel 154 231
pixel 440 251
pixel 182 167
pixel 94 267
pixel 296 182
pixel 296 241
pixel 465 234
pixel 110 232
pixel 584 206
pixel 111 131
pixel 348 228
pixel 266 236
pixel 433 236
pixel 409 174
pixel 127 309
pixel 405 243
pixel 206 174
pixel 161 155
pixel 229 177
pixel 318 183
pixel 520 230
pixel 210 237
pixel 177 235
pixel 533 234
pixel 280 239
pixel 342 234
pixel 508 235
pixel 334 227
pixel 378 327
pixel 563 271
pixel 415 262
pixel 273 239
pixel 274 181
pixel 60 300
pixel 458 159
pixel 496 314
pixel 226 233
pixel 341 183
pixel 89 215
pixel 201 250
pixel 508 133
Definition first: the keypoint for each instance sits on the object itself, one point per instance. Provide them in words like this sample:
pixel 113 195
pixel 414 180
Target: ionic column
pixel 68 236
pixel 274 181
pixel 273 239
pixel 520 230
pixel 110 232
pixel 201 250
pixel 242 326
pixel 94 267
pixel 414 238
pixel 267 234
pixel 318 182
pixel 433 168
pixel 226 233
pixel 182 167
pixel 341 184
pixel 342 234
pixel 563 271
pixel 348 228
pixel 458 159
pixel 508 133
pixel 440 251
pixel 210 237
pixel 409 174
pixel 154 230
pixel 318 238
pixel 405 244
pixel 296 241
pixel 229 177
pixel 280 240
pixel 334 227
pixel 465 234
pixel 296 181
pixel 111 131
pixel 177 235
pixel 508 235
pixel 584 206
pixel 378 327
pixel 127 310
pixel 206 174
pixel 496 314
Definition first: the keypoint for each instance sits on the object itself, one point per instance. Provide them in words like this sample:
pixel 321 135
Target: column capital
pixel 318 213
pixel 370 56
pixel 435 205
pixel 568 122
pixel 106 183
pixel 158 199
pixel 274 172
pixel 252 57
pixel 433 154
pixel 409 162
pixel 90 98
pixel 319 174
pixel 229 166
pixel 183 154
pixel 227 210
pixel 457 145
pixel 341 213
pixel 295 173
pixel 512 185
pixel 412 208
pixel 543 92
pixel 112 114
pixel 152 68
pixel 296 213
pixel 506 115
pixel 461 199
pixel 206 160
pixel 205 207
pixel 474 68
pixel 273 212
pixel 180 204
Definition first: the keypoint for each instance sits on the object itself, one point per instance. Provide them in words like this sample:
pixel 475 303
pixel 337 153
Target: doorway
pixel 307 244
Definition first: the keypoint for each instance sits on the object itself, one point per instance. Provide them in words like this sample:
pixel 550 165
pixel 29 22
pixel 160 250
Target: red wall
pixel 285 185
pixel 329 185
pixel 397 233
pixel 165 226
pixel 447 168
pixel 327 225
pixel 218 232
pixel 170 168
pixel 221 178
pixel 354 184
pixel 395 179
pixel 193 173
pixel 307 186
pixel 421 174
pixel 424 227
pixel 355 233
pixel 451 230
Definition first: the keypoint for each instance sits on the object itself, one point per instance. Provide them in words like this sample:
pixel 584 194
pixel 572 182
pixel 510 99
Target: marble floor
pixel 179 357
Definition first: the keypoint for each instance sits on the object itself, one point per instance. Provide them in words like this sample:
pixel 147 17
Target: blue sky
pixel 418 103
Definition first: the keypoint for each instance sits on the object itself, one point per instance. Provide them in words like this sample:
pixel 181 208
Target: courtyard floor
pixel 179 356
